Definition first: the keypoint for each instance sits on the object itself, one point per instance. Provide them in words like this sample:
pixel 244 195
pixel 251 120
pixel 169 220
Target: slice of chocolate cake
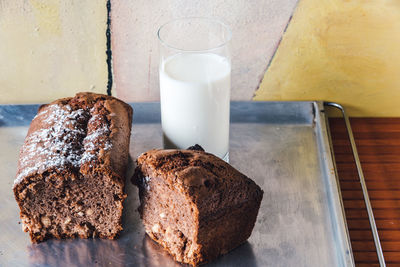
pixel 71 170
pixel 194 204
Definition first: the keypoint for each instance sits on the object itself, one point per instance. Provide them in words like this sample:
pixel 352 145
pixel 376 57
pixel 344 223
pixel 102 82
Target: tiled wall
pixel 337 50
pixel 343 51
pixel 257 27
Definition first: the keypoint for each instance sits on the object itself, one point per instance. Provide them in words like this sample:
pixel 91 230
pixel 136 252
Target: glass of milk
pixel 195 83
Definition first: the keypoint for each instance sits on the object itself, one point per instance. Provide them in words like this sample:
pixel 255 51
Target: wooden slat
pixel 363 224
pixel 369 168
pixel 369 264
pixel 367 125
pixel 382 158
pixel 366 135
pixel 380 204
pixel 370 257
pixel 395 141
pixel 366 150
pixel 378 144
pixel 392 246
pixel 365 235
pixel 371 185
pixel 365 257
pixel 377 175
pixel 373 194
pixel 378 213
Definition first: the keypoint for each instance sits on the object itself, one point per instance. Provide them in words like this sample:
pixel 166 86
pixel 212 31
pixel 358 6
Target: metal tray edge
pixel 325 144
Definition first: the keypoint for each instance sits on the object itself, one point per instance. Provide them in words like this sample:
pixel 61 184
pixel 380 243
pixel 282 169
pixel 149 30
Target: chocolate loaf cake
pixel 71 171
pixel 194 204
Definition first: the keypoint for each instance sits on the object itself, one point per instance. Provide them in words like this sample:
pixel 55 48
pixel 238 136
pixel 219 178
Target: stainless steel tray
pixel 283 146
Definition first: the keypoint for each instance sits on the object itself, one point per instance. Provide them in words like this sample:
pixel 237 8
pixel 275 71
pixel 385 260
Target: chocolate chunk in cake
pixel 71 170
pixel 196 147
pixel 194 204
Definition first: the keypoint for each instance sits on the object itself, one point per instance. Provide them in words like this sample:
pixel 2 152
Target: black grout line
pixel 108 51
pixel 283 33
pixel 276 49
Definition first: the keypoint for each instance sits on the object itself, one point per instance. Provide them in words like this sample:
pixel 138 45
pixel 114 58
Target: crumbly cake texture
pixel 71 170
pixel 194 204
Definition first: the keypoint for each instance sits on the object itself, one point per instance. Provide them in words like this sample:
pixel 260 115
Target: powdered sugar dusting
pixel 94 138
pixel 63 142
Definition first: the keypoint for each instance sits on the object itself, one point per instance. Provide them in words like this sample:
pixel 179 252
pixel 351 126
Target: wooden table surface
pixel 378 144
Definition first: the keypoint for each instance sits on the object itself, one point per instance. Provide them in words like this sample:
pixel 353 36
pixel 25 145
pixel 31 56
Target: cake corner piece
pixel 194 204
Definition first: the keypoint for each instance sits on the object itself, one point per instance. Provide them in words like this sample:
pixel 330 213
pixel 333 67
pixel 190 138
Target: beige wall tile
pixel 51 49
pixel 257 28
pixel 342 51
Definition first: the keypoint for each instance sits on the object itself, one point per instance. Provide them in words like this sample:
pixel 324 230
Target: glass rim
pixel 212 19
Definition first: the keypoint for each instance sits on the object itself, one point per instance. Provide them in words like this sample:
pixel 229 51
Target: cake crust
pixel 194 204
pixel 72 148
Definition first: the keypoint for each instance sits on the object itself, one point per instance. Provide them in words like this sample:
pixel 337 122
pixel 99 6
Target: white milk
pixel 195 95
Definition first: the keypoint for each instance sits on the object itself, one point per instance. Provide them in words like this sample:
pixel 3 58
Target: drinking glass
pixel 195 83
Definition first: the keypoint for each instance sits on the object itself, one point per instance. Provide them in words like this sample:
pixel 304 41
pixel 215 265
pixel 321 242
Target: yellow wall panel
pixel 342 51
pixel 51 49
